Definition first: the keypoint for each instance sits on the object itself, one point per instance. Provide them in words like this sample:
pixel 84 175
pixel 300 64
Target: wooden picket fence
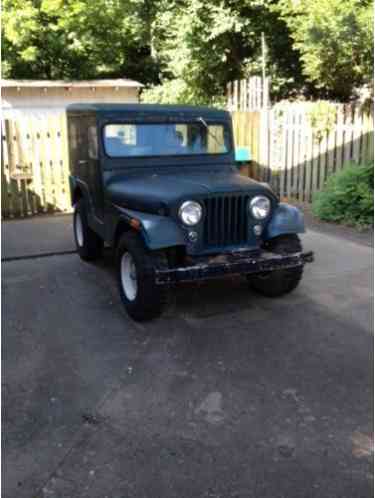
pixel 251 94
pixel 34 166
pixel 287 151
pixel 296 157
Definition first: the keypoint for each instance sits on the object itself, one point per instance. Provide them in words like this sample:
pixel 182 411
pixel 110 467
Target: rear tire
pixel 142 298
pixel 278 283
pixel 89 244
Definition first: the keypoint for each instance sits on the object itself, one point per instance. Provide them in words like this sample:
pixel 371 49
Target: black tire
pixel 278 283
pixel 149 299
pixel 89 244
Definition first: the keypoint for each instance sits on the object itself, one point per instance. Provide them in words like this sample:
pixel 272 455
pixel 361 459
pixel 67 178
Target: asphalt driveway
pixel 229 395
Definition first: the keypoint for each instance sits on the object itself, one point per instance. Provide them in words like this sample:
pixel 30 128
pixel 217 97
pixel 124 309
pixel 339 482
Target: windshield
pixel 124 140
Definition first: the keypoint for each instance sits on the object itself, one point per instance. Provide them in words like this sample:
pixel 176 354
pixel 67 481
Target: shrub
pixel 178 92
pixel 348 196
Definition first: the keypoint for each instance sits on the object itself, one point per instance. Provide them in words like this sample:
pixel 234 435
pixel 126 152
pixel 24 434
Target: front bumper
pixel 232 264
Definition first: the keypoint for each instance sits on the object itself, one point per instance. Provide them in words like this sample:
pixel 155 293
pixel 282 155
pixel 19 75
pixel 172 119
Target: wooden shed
pixel 38 97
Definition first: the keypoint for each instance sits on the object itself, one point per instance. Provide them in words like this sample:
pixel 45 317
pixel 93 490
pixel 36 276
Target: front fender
pixel 286 219
pixel 158 231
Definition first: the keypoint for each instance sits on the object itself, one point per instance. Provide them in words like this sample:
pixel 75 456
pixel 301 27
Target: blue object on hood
pixel 242 154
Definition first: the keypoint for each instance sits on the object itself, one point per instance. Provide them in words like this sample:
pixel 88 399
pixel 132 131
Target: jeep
pixel 160 185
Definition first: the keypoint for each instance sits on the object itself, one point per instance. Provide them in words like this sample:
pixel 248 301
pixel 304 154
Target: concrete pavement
pixel 27 237
pixel 228 395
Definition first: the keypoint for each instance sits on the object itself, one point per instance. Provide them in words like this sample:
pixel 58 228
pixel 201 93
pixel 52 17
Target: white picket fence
pixel 251 94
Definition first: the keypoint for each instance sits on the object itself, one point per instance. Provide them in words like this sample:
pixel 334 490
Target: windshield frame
pixel 177 120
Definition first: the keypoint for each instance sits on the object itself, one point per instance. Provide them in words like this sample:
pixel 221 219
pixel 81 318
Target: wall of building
pixel 37 102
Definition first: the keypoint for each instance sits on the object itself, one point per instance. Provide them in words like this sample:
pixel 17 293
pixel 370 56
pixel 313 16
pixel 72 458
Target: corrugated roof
pixel 120 82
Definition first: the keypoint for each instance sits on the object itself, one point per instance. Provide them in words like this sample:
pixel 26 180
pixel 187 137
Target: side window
pixel 73 135
pixel 82 140
pixel 73 143
pixel 92 142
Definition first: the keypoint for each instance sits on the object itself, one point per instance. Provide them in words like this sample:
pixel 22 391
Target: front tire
pixel 89 244
pixel 278 283
pixel 142 298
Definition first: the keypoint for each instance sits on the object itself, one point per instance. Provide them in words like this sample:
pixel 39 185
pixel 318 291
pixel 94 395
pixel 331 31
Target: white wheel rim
pixel 129 276
pixel 79 229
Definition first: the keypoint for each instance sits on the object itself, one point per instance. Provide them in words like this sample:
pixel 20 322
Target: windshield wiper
pixel 201 120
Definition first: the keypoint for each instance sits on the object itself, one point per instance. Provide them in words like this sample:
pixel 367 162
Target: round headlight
pixel 190 213
pixel 260 207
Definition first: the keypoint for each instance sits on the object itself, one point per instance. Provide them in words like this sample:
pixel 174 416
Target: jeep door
pixel 88 164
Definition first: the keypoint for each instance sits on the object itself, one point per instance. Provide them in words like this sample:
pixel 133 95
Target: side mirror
pixel 242 155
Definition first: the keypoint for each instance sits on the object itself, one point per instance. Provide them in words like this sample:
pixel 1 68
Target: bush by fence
pixel 348 196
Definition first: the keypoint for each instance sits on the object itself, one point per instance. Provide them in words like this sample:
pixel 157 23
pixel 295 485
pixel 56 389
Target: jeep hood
pixel 154 192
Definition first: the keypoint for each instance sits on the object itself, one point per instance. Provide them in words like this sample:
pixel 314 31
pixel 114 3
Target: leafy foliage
pixel 335 40
pixel 322 118
pixel 348 196
pixel 77 39
pixel 202 45
pixel 177 91
pixel 188 50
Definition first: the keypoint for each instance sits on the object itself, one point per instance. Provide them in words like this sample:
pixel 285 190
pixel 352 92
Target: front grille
pixel 226 220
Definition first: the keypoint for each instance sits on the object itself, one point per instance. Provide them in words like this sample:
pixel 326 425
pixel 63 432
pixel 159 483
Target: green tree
pixel 202 45
pixel 77 39
pixel 188 50
pixel 335 40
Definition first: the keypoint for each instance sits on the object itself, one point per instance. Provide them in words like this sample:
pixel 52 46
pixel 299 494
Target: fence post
pixel 348 131
pixel 264 145
pixel 235 95
pixel 357 128
pixel 4 176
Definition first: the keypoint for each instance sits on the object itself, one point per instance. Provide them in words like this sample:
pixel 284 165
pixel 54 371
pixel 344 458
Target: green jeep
pixel 160 185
